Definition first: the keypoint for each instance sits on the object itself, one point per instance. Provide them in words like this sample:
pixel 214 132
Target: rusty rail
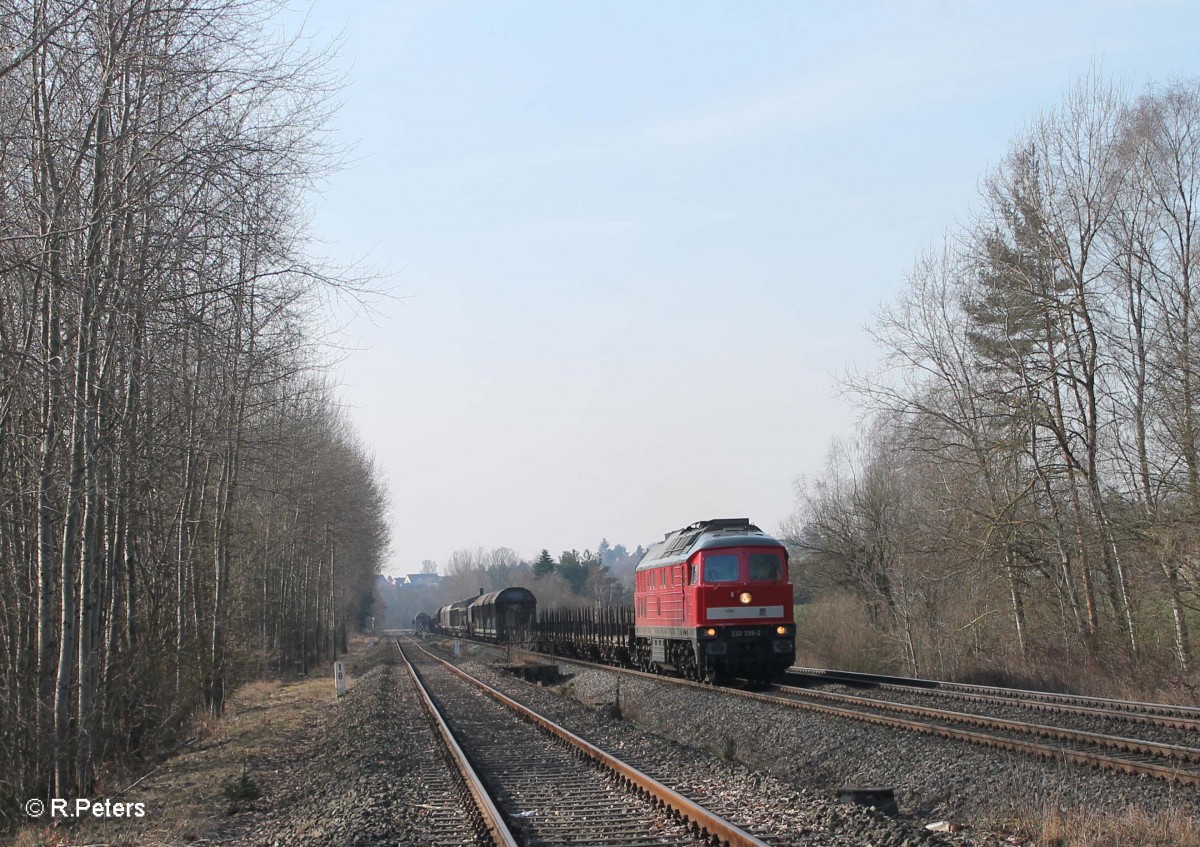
pixel 1170 715
pixel 491 819
pixel 1037 705
pixel 706 821
pixel 1115 742
pixel 1050 751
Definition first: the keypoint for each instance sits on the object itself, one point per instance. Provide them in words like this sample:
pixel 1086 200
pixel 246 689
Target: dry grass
pixel 183 797
pixel 1107 827
pixel 1129 827
pixel 264 724
pixel 260 690
pixel 1108 673
pixel 834 633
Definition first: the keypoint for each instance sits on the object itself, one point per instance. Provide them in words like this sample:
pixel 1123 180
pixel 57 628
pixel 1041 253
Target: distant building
pixel 420 580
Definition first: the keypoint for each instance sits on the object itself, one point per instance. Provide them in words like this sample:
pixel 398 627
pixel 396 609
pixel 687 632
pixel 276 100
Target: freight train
pixel 502 616
pixel 711 600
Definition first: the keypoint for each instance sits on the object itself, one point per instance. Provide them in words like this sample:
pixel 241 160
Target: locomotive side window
pixel 695 574
pixel 764 566
pixel 721 568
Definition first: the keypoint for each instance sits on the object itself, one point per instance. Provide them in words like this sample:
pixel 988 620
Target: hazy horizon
pixel 630 246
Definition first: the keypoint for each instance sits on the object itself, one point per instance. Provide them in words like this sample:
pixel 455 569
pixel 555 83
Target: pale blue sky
pixel 635 242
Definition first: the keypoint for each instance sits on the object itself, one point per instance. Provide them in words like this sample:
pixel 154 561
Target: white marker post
pixel 457 647
pixel 339 677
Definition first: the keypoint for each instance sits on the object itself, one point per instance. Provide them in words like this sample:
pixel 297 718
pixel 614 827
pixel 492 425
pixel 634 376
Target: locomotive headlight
pixel 745 597
pixel 781 630
pixel 710 631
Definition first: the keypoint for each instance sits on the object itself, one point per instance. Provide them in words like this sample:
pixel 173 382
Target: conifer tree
pixel 544 566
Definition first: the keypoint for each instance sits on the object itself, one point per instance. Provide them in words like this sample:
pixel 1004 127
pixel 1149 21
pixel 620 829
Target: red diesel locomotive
pixel 712 600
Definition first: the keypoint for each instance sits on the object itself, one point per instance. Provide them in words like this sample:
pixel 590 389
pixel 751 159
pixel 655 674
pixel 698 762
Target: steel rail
pixel 1115 742
pixel 492 820
pixel 1083 757
pixel 1171 714
pixel 1034 705
pixel 706 821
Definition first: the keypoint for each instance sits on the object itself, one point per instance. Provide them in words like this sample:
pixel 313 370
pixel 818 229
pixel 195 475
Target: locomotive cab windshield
pixel 764 567
pixel 720 567
pixel 725 566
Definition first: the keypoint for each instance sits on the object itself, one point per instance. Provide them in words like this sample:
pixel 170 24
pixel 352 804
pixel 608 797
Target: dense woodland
pixel 1024 495
pixel 183 504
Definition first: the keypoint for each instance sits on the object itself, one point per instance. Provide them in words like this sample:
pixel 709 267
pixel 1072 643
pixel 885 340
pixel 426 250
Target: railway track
pixel 1186 718
pixel 535 783
pixel 462 812
pixel 1174 763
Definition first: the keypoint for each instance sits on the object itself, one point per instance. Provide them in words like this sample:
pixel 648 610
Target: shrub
pixel 245 787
